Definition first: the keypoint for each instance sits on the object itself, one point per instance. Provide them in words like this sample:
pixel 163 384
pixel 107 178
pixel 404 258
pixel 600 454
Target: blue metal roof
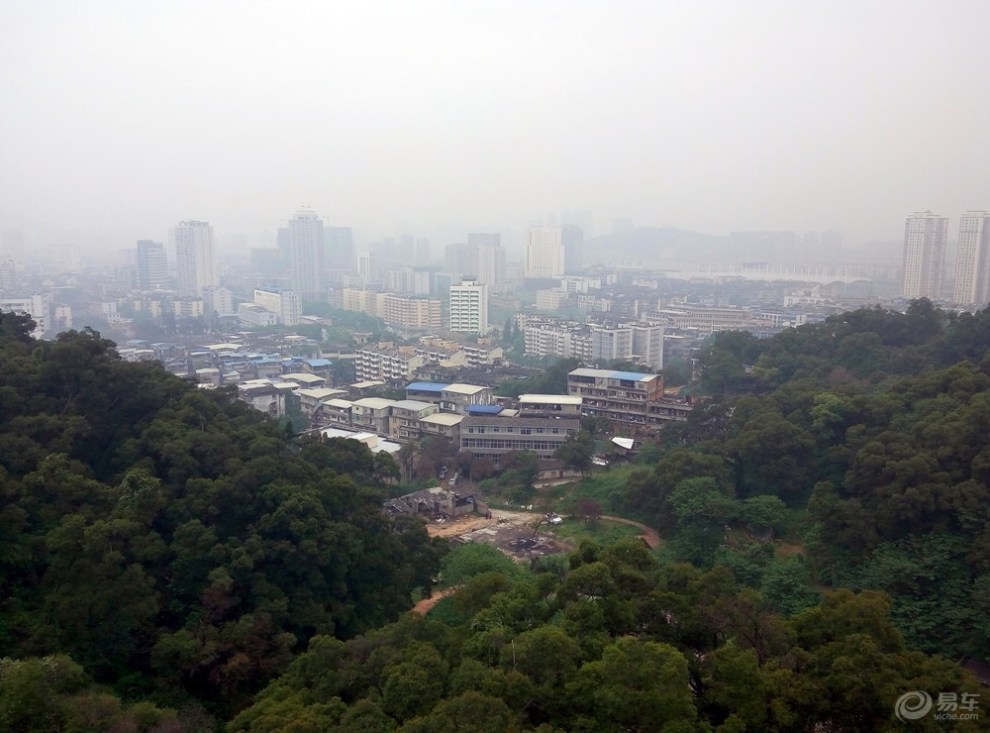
pixel 484 409
pixel 318 362
pixel 631 376
pixel 426 386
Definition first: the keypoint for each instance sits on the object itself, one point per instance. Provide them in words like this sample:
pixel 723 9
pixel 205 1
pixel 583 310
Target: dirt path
pixel 427 603
pixel 649 535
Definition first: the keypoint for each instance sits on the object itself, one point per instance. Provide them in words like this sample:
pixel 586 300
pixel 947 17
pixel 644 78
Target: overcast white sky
pixel 122 118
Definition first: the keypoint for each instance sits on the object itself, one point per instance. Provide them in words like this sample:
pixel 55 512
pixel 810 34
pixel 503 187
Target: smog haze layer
pixel 121 119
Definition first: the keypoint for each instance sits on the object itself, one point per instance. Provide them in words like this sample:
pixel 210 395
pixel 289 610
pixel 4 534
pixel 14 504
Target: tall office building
pixel 152 267
pixel 338 251
pixel 304 240
pixel 973 260
pixel 924 255
pixel 572 239
pixel 488 258
pixel 194 265
pixel 544 253
pixel 469 308
pixel 8 275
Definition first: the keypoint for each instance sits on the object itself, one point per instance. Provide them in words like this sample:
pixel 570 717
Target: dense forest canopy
pixel 172 540
pixel 168 553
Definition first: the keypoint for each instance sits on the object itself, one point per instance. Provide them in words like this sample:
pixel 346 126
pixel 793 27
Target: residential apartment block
pixel 493 437
pixel 633 398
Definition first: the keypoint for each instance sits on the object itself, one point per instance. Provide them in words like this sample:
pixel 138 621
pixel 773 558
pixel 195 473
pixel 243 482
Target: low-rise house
pixel 263 396
pixel 443 425
pixel 372 414
pixel 493 437
pixel 309 381
pixel 335 412
pixel 549 405
pixel 405 416
pixel 311 399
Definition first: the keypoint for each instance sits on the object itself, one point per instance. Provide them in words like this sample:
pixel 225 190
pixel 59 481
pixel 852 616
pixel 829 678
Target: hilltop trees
pixel 170 539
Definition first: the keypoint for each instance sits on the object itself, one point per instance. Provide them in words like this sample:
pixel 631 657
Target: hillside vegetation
pixel 173 561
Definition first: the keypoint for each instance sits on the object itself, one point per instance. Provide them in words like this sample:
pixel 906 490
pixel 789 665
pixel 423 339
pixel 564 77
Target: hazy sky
pixel 122 118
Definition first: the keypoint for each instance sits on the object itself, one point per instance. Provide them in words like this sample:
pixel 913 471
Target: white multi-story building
pixel 640 342
pixel 303 239
pixel 924 255
pixel 194 265
pixel 219 300
pixel 152 265
pixel 544 253
pixel 38 306
pixel 396 364
pixel 250 314
pixel 285 304
pixel 562 339
pixel 469 308
pixel 973 260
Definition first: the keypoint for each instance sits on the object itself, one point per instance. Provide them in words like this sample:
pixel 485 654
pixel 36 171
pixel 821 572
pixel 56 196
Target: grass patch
pixel 604 532
pixel 607 486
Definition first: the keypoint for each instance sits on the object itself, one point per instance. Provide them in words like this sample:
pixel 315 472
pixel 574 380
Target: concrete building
pixel 493 437
pixel 152 265
pixel 549 405
pixel 218 300
pixel 445 425
pixel 263 396
pixel 469 308
pixel 303 240
pixel 194 264
pixel 630 398
pixel 405 416
pixel 611 343
pixel 450 397
pixel 482 259
pixel 924 255
pixel 372 414
pixel 255 316
pixel 410 313
pixel 544 253
pixel 311 399
pixel 572 238
pixel 38 306
pixel 559 338
pixel 338 253
pixel 972 286
pixel 285 304
pixel 189 307
pixel 387 363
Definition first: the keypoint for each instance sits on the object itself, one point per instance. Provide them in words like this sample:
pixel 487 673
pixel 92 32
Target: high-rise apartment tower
pixel 194 266
pixel 973 260
pixel 924 255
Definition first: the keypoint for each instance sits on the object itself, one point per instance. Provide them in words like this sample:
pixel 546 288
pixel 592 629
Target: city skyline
pixel 704 116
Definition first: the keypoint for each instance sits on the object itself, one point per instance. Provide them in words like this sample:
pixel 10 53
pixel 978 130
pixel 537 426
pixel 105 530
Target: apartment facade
pixel 469 308
pixel 494 437
pixel 972 286
pixel 922 266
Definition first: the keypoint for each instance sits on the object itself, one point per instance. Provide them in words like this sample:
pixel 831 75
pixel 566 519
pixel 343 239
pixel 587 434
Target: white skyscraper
pixel 544 253
pixel 973 260
pixel 306 255
pixel 924 255
pixel 469 308
pixel 194 265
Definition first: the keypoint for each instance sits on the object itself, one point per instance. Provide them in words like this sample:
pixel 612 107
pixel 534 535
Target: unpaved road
pixel 471 522
pixel 427 603
pixel 649 535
